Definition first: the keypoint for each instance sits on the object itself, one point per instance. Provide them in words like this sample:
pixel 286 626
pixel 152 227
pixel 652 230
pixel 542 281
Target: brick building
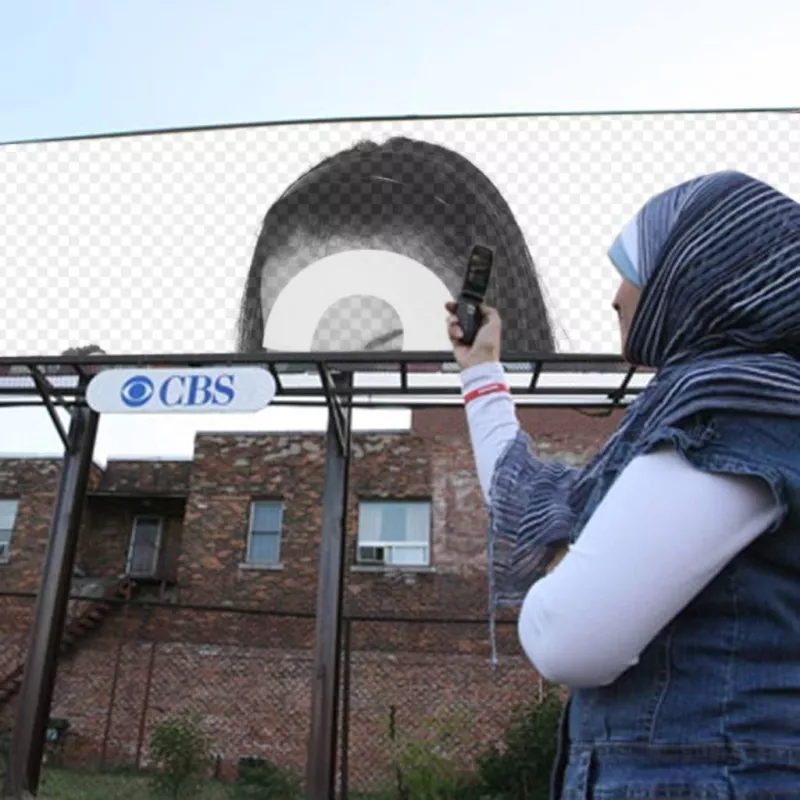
pixel 218 555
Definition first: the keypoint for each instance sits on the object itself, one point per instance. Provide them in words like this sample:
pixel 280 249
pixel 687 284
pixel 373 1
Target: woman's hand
pixel 485 348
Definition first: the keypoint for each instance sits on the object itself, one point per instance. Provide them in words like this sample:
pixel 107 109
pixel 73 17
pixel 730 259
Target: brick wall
pixel 33 483
pixel 552 427
pixel 146 477
pixel 254 691
pixel 237 645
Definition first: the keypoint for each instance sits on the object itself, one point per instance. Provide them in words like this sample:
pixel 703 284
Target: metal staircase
pixel 80 625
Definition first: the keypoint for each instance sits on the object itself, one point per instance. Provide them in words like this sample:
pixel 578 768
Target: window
pixel 145 546
pixel 8 518
pixel 264 539
pixel 394 534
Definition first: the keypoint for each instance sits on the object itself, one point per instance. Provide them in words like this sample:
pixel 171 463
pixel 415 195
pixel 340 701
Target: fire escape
pixel 87 617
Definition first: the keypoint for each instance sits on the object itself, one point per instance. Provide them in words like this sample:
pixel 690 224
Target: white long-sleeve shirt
pixel 588 621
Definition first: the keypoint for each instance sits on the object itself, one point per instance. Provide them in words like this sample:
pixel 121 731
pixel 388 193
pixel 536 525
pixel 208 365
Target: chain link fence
pixel 417 697
pixel 422 702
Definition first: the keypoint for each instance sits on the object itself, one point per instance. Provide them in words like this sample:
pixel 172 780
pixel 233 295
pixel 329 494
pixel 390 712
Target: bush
pixel 430 775
pixel 182 751
pixel 521 768
pixel 259 778
pixel 427 765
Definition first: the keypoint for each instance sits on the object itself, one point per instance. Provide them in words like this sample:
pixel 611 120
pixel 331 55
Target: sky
pixel 71 68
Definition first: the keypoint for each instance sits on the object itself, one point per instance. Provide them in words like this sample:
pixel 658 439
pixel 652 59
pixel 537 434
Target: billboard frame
pixel 274 123
pixel 338 392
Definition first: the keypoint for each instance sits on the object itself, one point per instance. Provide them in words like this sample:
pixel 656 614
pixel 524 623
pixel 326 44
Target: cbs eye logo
pixel 137 391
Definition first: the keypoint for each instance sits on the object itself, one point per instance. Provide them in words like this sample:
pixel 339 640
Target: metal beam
pixel 618 394
pixel 45 390
pixel 27 741
pixel 302 395
pixel 321 764
pixel 606 392
pixel 537 371
pixel 333 359
pixel 331 387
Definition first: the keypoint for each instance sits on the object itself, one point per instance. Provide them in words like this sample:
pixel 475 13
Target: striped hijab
pixel 718 262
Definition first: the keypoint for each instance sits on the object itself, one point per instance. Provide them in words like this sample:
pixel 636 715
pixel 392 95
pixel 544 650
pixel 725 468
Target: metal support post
pixel 28 737
pixel 321 765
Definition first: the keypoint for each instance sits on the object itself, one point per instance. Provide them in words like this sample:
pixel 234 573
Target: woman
pixel 674 617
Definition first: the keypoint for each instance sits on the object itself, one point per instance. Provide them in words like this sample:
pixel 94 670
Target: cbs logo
pixel 189 391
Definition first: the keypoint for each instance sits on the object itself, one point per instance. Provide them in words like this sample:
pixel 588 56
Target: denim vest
pixel 712 709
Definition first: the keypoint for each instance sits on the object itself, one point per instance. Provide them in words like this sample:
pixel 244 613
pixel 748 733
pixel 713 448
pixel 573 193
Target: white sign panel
pixel 181 391
pixel 346 236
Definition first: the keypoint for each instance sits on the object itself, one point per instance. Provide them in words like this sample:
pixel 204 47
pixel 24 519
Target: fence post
pixel 344 762
pixel 145 704
pixel 393 739
pixel 115 678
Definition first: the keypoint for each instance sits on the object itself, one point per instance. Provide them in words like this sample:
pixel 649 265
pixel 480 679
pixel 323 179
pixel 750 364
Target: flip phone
pixel 476 282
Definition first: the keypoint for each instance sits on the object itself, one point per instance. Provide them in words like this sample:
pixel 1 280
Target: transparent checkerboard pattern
pixel 359 322
pixel 142 243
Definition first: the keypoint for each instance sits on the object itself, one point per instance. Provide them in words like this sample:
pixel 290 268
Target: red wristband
pixel 490 388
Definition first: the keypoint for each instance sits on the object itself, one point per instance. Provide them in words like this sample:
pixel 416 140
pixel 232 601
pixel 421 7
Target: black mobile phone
pixel 476 283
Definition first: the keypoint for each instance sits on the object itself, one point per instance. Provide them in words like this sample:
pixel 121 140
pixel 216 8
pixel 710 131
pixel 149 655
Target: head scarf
pixel 717 260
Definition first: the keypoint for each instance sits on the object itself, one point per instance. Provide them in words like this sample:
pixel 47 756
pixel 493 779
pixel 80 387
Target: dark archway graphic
pixel 420 204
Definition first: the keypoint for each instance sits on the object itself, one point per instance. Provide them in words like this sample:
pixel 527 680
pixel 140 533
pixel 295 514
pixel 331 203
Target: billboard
pixel 345 236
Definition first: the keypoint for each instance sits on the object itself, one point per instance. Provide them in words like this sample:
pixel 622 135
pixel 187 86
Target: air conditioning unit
pixel 372 555
pixel 3 550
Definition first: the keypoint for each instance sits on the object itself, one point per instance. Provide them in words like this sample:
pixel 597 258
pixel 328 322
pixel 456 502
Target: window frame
pixel 427 545
pixel 248 559
pixel 159 541
pixel 6 557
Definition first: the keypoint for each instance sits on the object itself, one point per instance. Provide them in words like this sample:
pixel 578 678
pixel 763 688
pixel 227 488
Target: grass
pixel 60 784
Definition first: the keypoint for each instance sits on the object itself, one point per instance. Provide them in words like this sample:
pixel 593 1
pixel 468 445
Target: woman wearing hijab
pixel 674 615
